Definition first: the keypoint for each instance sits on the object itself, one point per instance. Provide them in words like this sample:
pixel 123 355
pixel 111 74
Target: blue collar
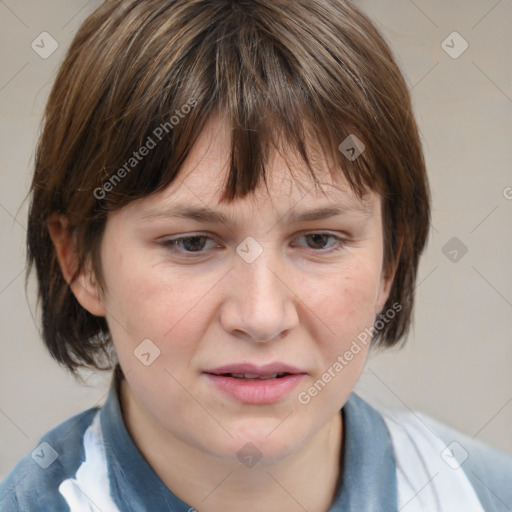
pixel 367 481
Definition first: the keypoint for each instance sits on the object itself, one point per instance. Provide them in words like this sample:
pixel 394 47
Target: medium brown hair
pixel 288 71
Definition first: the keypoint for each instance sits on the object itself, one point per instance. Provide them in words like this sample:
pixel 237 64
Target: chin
pixel 269 440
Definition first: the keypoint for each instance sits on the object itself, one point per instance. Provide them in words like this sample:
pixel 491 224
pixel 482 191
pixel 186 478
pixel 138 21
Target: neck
pixel 306 480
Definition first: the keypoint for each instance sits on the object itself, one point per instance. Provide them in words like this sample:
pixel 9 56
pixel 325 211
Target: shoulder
pixel 451 457
pixel 33 484
pixel 489 470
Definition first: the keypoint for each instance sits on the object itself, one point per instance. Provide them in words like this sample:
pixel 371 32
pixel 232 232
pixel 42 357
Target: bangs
pixel 271 98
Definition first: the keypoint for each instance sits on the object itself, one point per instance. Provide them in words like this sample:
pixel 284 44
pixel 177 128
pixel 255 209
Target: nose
pixel 259 306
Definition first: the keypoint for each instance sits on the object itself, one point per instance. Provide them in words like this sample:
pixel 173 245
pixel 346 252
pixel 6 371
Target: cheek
pixel 342 312
pixel 344 303
pixel 153 302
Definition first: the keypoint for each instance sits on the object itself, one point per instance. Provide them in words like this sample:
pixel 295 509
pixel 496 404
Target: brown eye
pixel 190 244
pixel 320 241
pixel 193 243
pixel 317 241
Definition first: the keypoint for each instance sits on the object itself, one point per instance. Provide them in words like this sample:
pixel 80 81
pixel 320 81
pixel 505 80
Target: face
pixel 246 308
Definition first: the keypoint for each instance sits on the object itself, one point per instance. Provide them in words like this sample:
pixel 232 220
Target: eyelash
pixel 172 244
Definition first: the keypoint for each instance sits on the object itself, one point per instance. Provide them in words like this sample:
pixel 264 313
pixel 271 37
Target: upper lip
pixel 261 371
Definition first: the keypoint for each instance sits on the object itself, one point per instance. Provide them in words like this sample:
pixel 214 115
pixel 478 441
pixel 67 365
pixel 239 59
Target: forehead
pixel 203 177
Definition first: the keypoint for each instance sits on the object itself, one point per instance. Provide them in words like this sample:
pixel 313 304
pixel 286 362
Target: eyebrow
pixel 207 215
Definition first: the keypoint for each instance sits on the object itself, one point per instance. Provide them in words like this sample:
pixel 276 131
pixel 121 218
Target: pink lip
pixel 256 391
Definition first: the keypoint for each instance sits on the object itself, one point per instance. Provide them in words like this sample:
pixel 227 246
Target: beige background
pixel 457 363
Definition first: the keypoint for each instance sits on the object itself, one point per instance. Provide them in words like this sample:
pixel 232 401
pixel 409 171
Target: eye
pixel 191 244
pixel 321 241
pixel 199 244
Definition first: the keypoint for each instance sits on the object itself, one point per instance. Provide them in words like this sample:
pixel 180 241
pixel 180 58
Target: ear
pixel 84 287
pixel 387 277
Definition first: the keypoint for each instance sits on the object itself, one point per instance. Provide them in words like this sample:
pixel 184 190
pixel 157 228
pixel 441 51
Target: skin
pixel 302 302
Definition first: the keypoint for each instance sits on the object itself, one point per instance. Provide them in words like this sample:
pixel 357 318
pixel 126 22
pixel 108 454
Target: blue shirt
pixel 367 468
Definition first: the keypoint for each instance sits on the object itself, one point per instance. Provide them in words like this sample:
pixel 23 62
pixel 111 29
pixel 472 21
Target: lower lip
pixel 256 391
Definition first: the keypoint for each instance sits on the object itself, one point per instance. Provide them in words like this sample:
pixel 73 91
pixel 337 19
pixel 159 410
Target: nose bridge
pixel 263 284
pixel 259 303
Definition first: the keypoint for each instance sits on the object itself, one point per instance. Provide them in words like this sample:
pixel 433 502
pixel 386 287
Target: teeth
pixel 254 376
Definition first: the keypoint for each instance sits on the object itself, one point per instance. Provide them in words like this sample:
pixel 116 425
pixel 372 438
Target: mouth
pixel 275 370
pixel 253 376
pixel 256 385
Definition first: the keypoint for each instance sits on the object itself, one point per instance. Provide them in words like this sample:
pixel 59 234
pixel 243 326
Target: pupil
pixel 318 240
pixel 194 243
